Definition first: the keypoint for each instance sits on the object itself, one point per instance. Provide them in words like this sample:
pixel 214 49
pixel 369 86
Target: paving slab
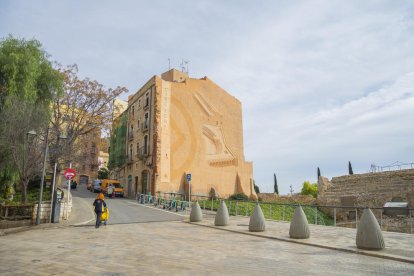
pixel 175 248
pixel 398 246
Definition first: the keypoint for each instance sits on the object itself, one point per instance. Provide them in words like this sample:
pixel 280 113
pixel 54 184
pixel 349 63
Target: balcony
pixel 144 126
pixel 130 160
pixel 142 153
pixel 146 105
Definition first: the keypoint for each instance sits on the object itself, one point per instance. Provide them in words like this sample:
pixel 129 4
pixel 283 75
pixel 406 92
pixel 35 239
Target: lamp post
pixel 39 203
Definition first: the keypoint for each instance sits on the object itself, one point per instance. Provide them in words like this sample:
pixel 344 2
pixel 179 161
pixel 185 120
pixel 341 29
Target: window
pixel 139 103
pixel 146 120
pixel 138 126
pixel 130 152
pixel 133 110
pixel 147 99
pixel 137 148
pixel 131 132
pixel 146 144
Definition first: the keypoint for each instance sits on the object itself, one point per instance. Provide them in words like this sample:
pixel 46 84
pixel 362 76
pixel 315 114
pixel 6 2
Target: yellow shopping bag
pixel 105 215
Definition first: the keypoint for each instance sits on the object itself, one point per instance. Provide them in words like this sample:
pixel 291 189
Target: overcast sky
pixel 321 82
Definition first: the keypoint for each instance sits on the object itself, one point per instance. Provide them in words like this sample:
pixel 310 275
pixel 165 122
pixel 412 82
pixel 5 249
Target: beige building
pixel 179 125
pixel 86 160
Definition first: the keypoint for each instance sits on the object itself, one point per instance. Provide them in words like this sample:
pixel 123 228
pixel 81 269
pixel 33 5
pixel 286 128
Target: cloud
pixel 321 82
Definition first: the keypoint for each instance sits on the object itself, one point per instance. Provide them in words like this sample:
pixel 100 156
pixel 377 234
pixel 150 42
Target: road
pixel 122 210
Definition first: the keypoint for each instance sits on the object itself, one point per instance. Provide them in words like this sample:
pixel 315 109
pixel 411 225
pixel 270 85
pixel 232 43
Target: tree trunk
pixel 23 187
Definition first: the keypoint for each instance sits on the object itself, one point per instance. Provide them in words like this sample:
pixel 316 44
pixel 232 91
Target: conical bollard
pixel 196 214
pixel 222 215
pixel 299 228
pixel 369 235
pixel 257 220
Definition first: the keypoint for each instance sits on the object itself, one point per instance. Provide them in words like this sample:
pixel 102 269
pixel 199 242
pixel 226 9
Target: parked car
pixel 96 186
pixel 73 185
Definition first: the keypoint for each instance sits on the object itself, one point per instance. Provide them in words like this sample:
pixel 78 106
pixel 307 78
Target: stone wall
pixel 45 210
pixel 370 189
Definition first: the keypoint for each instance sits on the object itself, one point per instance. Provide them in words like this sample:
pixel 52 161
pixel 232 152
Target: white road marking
pixel 83 223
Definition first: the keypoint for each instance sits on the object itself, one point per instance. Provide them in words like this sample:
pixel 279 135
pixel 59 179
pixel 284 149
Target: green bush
pixel 239 196
pixel 309 189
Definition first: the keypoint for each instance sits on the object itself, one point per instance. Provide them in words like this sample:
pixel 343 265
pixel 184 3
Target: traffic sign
pixel 69 173
pixel 188 176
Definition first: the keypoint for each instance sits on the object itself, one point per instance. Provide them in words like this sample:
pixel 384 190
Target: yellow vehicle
pixel 118 189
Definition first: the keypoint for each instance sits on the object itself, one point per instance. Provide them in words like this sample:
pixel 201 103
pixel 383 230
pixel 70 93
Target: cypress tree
pixel 350 168
pixel 275 185
pixel 319 173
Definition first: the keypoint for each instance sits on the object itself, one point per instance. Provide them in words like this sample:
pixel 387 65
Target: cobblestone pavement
pixel 176 248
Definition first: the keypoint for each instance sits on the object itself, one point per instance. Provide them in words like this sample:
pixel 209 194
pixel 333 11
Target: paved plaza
pixel 182 248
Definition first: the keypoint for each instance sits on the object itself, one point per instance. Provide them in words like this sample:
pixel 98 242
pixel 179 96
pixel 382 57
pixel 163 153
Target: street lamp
pixel 39 203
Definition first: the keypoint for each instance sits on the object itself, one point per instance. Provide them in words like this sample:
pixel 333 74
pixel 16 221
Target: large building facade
pixel 179 125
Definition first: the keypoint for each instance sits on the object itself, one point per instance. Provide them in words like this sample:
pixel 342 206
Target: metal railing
pixel 16 212
pixel 396 166
pixel 340 216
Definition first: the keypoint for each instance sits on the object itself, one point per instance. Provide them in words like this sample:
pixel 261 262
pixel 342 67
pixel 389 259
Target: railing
pixel 172 202
pixel 129 159
pixel 340 216
pixel 16 212
pixel 144 126
pixel 142 152
pixel 396 166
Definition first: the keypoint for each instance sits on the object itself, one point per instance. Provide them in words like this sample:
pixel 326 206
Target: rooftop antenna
pixel 184 66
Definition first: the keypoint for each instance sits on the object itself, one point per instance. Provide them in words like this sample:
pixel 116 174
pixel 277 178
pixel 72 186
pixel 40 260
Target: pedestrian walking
pixel 100 206
pixel 110 190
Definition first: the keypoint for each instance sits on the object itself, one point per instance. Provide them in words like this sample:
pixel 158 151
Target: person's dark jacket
pixel 99 205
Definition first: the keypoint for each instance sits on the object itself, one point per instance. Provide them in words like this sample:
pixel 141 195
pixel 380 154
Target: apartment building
pixel 179 125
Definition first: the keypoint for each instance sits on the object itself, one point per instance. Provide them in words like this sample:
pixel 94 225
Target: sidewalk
pixel 82 213
pixel 398 246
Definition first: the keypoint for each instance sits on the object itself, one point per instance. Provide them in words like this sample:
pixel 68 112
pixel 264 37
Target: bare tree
pixel 86 107
pixel 25 151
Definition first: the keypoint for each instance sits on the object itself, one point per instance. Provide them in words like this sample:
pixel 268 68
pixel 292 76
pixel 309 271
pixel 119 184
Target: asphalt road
pixel 121 210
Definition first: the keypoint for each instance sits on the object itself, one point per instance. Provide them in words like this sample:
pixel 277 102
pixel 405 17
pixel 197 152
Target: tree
pixel 319 173
pixel 26 72
pixel 309 189
pixel 256 188
pixel 350 168
pixel 28 83
pixel 276 189
pixel 85 108
pixel 23 152
pixel 103 173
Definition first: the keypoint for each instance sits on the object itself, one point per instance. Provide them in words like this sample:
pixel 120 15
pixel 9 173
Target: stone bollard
pixel 299 228
pixel 257 220
pixel 369 235
pixel 196 214
pixel 222 215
